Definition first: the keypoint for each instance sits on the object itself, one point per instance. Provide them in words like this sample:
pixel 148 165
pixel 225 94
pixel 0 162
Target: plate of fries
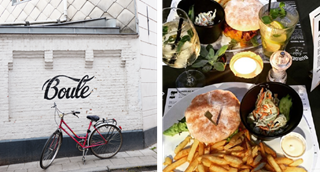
pixel 242 153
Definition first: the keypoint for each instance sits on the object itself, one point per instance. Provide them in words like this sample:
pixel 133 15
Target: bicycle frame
pixel 85 138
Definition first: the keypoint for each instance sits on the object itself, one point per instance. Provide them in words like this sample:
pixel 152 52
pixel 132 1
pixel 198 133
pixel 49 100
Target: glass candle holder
pixel 246 65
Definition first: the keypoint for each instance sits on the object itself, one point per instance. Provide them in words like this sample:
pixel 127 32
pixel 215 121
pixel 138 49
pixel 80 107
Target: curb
pixel 113 167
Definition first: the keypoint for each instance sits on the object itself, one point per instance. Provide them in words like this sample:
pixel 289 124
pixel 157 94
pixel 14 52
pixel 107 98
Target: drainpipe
pixel 65 11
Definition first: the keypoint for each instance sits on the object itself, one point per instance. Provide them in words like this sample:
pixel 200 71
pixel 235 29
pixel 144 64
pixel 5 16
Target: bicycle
pixel 104 142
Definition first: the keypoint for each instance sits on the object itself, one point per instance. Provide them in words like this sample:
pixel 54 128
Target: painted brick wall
pixel 147 9
pixel 122 88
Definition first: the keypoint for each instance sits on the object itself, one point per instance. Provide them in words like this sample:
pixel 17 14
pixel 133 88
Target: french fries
pixel 273 163
pixel 193 150
pixel 296 162
pixel 269 150
pixel 174 165
pixel 167 161
pixel 240 154
pixel 284 160
pixel 182 144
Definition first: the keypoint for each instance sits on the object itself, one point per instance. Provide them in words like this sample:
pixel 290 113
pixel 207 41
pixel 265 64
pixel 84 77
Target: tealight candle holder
pixel 246 65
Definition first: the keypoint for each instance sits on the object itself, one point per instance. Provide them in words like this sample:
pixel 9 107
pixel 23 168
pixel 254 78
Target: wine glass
pixel 181 46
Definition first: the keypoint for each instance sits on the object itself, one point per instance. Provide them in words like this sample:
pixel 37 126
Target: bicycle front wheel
pixel 50 149
pixel 106 141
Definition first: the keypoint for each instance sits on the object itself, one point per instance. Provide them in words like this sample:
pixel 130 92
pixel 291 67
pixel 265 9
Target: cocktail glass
pixel 276 35
pixel 181 46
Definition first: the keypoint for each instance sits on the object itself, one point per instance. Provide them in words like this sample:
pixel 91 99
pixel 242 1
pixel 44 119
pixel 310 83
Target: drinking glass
pixel 276 35
pixel 181 46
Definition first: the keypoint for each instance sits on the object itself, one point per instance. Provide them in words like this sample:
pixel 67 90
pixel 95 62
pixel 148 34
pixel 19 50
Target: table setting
pixel 236 88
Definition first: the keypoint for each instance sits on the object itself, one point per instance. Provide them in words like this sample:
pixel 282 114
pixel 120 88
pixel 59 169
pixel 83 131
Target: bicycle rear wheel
pixel 109 140
pixel 50 149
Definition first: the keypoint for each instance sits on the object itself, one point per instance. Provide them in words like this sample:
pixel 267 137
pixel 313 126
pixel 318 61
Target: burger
pixel 213 116
pixel 242 20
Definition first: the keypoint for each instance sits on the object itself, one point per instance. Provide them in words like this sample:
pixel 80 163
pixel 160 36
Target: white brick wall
pixel 127 93
pixel 148 53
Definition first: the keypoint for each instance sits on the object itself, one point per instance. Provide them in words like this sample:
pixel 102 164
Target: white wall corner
pixel 48 59
pixel 89 58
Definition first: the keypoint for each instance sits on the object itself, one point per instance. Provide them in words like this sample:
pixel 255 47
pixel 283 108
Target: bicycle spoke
pixel 111 136
pixel 50 150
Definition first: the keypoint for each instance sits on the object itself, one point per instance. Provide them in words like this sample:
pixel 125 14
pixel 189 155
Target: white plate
pixel 238 89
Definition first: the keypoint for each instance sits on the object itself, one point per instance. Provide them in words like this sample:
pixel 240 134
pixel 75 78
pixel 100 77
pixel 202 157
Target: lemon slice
pixel 277 25
pixel 271 47
pixel 278 38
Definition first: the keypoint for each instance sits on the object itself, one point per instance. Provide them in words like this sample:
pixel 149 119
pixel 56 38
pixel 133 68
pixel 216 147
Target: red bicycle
pixel 104 142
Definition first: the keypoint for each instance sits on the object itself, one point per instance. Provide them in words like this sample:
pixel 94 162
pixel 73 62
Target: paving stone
pixel 15 166
pixel 104 162
pixel 134 153
pixel 70 166
pixel 20 170
pixel 119 161
pixel 147 152
pixel 62 160
pixel 148 158
pixel 54 168
pixel 134 160
pixel 89 163
pixel 3 167
pixel 35 164
pixel 121 155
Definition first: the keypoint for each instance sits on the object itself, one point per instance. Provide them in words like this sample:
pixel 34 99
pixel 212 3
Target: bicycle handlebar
pixel 72 112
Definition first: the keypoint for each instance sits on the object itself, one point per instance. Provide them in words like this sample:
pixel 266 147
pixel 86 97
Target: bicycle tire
pixel 50 149
pixel 112 135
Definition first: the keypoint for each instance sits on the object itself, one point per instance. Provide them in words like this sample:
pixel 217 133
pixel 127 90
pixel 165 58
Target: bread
pixel 243 15
pixel 201 128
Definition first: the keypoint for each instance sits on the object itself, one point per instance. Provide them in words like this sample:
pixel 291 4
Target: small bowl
pixel 247 105
pixel 298 137
pixel 207 34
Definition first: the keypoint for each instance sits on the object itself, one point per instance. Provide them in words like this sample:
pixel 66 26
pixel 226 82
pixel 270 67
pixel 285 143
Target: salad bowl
pixel 207 33
pixel 249 102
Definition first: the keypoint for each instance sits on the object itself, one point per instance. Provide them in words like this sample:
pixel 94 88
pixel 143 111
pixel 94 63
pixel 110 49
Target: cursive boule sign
pixel 53 89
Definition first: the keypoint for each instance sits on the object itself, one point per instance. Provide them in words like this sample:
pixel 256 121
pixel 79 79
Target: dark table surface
pixel 298 73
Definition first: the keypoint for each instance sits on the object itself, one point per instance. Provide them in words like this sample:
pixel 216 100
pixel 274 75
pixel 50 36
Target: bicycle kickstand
pixel 84 153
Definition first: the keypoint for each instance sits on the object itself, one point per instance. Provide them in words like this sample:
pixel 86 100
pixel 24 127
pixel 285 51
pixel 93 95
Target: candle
pixel 245 65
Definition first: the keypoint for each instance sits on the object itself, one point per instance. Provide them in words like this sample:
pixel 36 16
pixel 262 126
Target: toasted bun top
pixel 243 15
pixel 201 128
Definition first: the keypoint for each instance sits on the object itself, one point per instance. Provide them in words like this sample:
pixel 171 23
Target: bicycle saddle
pixel 93 117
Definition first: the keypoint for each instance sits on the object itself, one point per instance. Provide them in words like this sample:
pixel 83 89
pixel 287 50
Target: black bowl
pixel 248 105
pixel 207 34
